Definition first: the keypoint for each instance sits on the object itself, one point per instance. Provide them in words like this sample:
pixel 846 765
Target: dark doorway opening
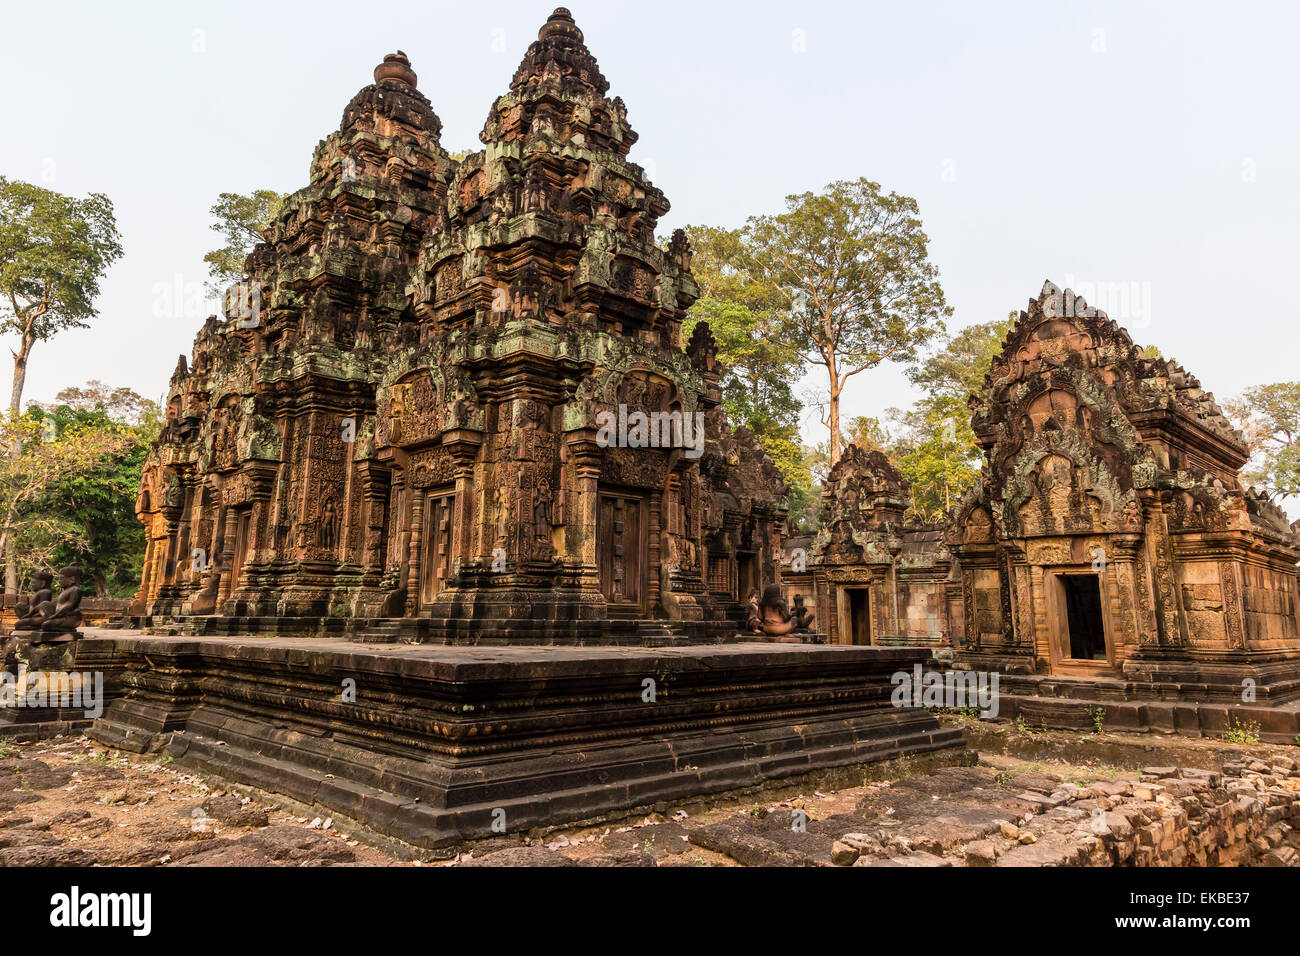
pixel 747 579
pixel 860 615
pixel 1083 614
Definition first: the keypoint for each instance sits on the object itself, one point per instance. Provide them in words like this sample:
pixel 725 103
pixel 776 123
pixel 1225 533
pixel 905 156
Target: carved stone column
pixel 229 532
pixel 413 554
pixel 584 456
pixel 464 445
pixel 1168 600
pixel 376 486
pixel 653 525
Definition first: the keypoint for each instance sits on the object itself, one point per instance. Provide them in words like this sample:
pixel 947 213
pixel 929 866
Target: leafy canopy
pixel 72 490
pixel 936 448
pixel 241 220
pixel 54 249
pixel 1269 418
pixel 848 278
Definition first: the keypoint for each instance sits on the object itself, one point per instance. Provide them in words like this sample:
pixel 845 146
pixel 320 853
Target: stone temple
pixel 1110 556
pixel 447 532
pixel 400 416
pixel 449 459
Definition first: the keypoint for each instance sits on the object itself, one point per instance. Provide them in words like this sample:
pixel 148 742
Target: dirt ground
pixel 68 802
pixel 1034 799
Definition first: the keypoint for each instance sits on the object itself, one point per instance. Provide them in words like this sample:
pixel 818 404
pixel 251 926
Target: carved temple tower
pixel 405 415
pixel 1111 539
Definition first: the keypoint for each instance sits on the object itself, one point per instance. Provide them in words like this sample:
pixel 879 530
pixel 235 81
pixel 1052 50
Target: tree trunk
pixel 834 409
pixel 15 409
pixel 101 584
pixel 20 375
pixel 4 549
pixel 11 563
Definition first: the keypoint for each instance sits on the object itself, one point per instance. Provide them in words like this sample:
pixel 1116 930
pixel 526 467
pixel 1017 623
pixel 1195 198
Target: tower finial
pixel 560 23
pixel 396 67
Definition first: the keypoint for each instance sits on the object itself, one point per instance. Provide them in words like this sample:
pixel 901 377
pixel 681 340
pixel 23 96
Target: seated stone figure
pixel 61 618
pixel 773 613
pixel 802 617
pixel 26 609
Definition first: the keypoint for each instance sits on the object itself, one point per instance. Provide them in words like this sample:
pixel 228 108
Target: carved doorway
pixel 621 550
pixel 747 575
pixel 855 616
pixel 435 546
pixel 1083 636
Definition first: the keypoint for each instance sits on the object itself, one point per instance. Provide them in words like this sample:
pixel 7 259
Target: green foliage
pixel 936 448
pixel 93 507
pixel 54 249
pixel 1240 732
pixel 847 277
pixel 759 372
pixel 1153 352
pixel 840 279
pixel 36 520
pixel 1269 417
pixel 957 368
pixel 240 221
pixel 868 434
pixel 937 454
pixel 1098 715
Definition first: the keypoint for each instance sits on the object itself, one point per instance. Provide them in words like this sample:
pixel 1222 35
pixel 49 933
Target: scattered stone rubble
pixel 975 816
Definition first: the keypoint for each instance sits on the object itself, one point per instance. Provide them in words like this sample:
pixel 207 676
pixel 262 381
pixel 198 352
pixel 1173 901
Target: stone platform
pixel 1188 709
pixel 433 745
pixel 423 630
pixel 62 712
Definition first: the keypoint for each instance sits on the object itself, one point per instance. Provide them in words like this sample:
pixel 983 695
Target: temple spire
pixel 559 51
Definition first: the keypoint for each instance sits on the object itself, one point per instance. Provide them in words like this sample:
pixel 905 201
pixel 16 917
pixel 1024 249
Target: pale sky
pixel 1150 151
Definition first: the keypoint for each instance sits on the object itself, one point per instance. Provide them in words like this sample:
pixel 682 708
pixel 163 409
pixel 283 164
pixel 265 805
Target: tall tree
pixel 868 434
pixel 850 270
pixel 1269 417
pixel 119 404
pixel 54 249
pixel 240 221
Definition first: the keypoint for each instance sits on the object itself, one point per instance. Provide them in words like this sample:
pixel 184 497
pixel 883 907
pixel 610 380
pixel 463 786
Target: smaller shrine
pixel 1111 535
pixel 878 576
